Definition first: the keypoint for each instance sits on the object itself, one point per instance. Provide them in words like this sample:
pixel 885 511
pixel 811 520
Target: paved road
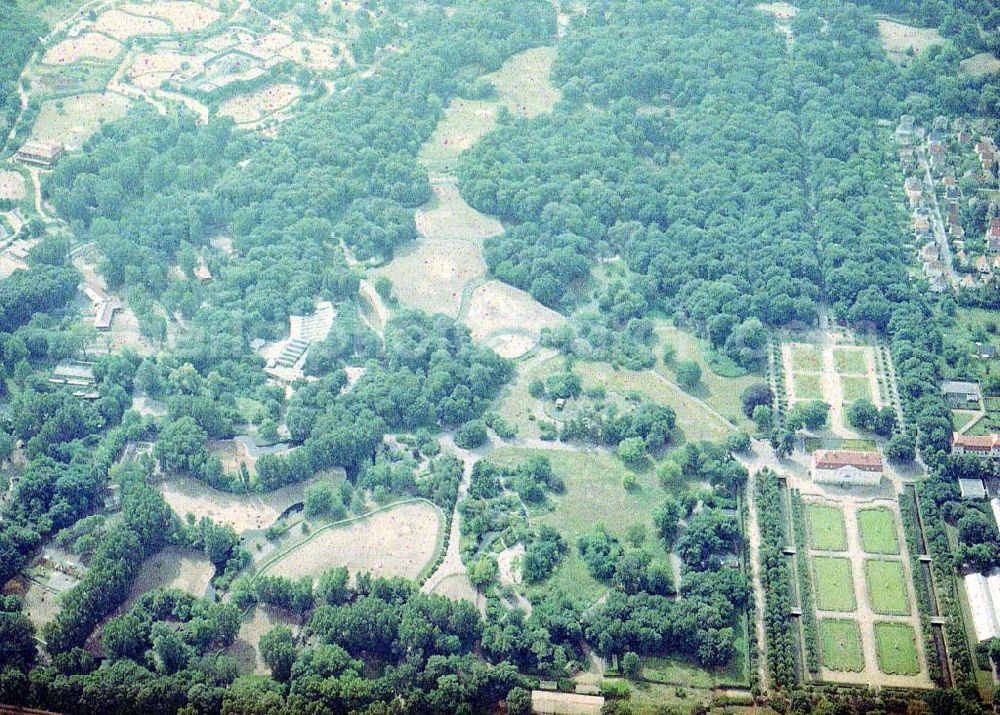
pixel 937 225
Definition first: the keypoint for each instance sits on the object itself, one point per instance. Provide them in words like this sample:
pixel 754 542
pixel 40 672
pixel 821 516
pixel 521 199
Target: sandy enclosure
pixel 496 307
pixel 254 107
pixel 173 567
pixel 244 648
pixel 400 541
pixel 524 82
pixel 151 69
pixel 241 511
pixel 122 25
pixel 432 276
pixel 90 45
pixel 183 16
pixel 447 215
pixel 12 185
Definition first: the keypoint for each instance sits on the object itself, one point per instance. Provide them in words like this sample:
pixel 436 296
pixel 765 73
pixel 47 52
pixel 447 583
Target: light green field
pixel 826 528
pixel 841 645
pixel 594 495
pixel 856 388
pixel 834 584
pixel 806 358
pixel 887 591
pixel 807 387
pixel 878 531
pixel 695 422
pixel 860 445
pixel 722 393
pixel 850 361
pixel 75 119
pixel 896 646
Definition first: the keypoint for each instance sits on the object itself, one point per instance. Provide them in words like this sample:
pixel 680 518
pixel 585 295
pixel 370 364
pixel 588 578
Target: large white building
pixel 987 445
pixel 984 603
pixel 847 468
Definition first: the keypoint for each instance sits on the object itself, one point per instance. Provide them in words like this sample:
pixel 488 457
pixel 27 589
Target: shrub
pixel 471 435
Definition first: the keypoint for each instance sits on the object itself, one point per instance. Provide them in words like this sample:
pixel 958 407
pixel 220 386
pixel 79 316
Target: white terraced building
pixel 984 601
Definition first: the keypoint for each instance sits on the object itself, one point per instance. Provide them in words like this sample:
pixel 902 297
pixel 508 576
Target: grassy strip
pixel 776 579
pixel 805 584
pixel 907 510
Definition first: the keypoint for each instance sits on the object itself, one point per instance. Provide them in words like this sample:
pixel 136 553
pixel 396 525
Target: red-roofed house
pixel 981 446
pixel 847 468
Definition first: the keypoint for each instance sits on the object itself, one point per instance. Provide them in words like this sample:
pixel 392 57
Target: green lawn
pixel 878 531
pixel 887 587
pixel 695 423
pixel 859 445
pixel 594 495
pixel 806 358
pixel 722 393
pixel 807 387
pixel 856 388
pixel 833 584
pixel 897 649
pixel 850 361
pixel 840 641
pixel 826 528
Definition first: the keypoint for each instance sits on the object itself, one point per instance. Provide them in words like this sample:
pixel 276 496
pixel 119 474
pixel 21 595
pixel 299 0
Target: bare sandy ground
pixel 432 276
pixel 496 306
pixel 183 16
pixel 12 186
pixel 172 567
pixel 400 541
pixel 122 26
pixel 89 45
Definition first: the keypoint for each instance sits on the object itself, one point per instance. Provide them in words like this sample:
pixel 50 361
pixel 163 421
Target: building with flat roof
pixel 847 467
pixel 972 488
pixel 961 393
pixel 984 600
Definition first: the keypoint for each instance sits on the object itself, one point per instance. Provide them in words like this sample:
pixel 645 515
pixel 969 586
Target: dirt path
pixel 833 390
pixel 36 182
pixel 753 537
pixel 452 564
pixel 505 561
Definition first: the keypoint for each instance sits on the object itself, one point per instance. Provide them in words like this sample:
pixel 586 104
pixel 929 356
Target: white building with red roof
pixel 987 445
pixel 847 468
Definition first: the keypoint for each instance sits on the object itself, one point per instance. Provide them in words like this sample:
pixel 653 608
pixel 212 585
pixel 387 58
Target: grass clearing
pixel 856 388
pixel 244 648
pixel 897 38
pixel 887 591
pixel 850 361
pixel 826 528
pixel 464 123
pixel 73 120
pixel 840 641
pixel 524 82
pixel 896 646
pixel 806 358
pixel 431 275
pixel 858 445
pixel 722 393
pixel 807 387
pixel 447 215
pixel 834 584
pixel 594 495
pixel 980 64
pixel 400 540
pixel 695 422
pixel 878 531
